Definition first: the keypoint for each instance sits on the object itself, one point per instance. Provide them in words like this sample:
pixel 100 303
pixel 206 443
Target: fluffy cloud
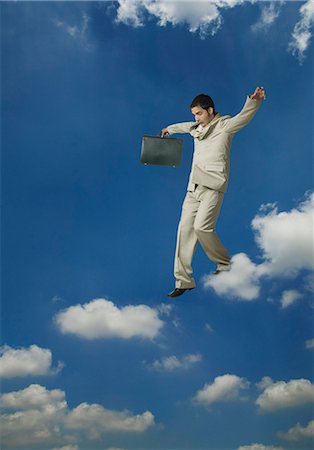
pixel 259 447
pixel 100 318
pixel 205 18
pixel 299 433
pixel 96 420
pixel 26 361
pixel 225 388
pixel 289 297
pixel 36 415
pixel 241 282
pixel 286 242
pixel 171 363
pixel 282 395
pixel 302 35
pixel 286 239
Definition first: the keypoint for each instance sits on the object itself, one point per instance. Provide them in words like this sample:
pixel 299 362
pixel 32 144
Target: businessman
pixel 208 181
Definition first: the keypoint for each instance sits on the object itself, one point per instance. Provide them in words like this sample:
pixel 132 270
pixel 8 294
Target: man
pixel 208 181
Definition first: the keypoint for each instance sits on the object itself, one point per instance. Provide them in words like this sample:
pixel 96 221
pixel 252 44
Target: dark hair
pixel 204 101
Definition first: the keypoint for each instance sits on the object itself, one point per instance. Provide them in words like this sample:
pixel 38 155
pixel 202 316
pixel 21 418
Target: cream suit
pixel 207 184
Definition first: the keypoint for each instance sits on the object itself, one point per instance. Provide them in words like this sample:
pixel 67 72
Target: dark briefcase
pixel 161 151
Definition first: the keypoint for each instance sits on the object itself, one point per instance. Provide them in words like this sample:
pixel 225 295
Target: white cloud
pixel 282 395
pixel 225 388
pixel 286 242
pixel 302 35
pixel 269 13
pixel 100 318
pixel 289 297
pixel 206 17
pixel 96 420
pixel 36 415
pixel 203 16
pixel 241 282
pixel 171 363
pixel 26 361
pixel 259 447
pixel 309 344
pixel 299 433
pixel 34 397
pixel 130 12
pixel 286 239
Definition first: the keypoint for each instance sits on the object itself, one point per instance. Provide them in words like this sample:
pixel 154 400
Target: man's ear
pixel 210 111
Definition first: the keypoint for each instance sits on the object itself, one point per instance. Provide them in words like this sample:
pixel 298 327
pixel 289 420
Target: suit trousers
pixel 199 215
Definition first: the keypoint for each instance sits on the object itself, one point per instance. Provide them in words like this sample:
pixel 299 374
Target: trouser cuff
pixel 182 285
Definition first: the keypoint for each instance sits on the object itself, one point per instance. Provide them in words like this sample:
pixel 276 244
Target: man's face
pixel 202 116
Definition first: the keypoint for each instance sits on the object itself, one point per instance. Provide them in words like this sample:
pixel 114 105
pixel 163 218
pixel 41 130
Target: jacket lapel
pixel 203 134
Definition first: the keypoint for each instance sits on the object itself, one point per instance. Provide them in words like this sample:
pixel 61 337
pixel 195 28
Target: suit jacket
pixel 211 158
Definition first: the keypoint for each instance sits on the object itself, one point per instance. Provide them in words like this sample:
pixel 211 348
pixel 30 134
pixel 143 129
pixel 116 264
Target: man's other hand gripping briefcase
pixel 161 151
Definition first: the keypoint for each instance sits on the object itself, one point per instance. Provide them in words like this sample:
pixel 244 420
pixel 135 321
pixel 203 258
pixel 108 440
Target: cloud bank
pixel 206 17
pixel 101 318
pixel 36 415
pixel 298 434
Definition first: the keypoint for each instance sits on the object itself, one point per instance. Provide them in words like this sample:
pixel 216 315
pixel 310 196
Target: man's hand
pixel 164 132
pixel 258 94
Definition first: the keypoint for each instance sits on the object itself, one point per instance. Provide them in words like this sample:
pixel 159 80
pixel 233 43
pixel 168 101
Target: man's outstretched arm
pixel 252 104
pixel 184 127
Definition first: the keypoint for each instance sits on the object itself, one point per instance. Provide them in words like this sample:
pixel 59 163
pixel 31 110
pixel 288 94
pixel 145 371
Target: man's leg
pixel 204 227
pixel 186 243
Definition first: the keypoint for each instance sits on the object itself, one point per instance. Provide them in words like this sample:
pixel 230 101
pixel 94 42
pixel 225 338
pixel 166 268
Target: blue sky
pixel 94 355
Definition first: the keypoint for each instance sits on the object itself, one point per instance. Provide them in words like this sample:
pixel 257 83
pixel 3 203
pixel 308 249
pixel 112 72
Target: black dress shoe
pixel 178 291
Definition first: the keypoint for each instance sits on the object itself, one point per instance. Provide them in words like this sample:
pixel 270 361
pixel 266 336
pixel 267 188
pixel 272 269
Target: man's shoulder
pixel 222 118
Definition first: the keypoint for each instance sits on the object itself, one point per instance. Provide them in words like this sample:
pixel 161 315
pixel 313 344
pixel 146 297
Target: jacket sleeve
pixel 235 123
pixel 184 127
